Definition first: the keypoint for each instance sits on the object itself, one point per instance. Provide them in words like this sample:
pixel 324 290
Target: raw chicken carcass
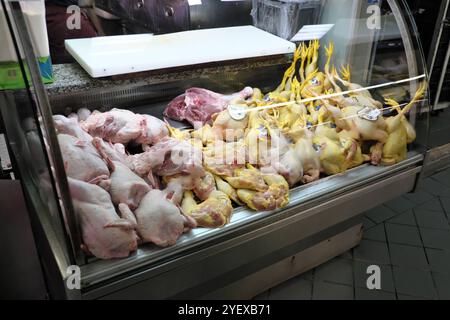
pixel 105 234
pixel 169 157
pixel 284 157
pixel 82 161
pixel 115 152
pixel 276 196
pixel 214 212
pixel 116 125
pixel 226 127
pixel 83 114
pixel 202 186
pixel 71 127
pixel 126 187
pixel 400 131
pixel 153 130
pixel 159 220
pixel 124 126
pixel 197 105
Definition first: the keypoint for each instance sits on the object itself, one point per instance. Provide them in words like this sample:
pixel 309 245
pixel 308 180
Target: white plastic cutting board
pixel 113 55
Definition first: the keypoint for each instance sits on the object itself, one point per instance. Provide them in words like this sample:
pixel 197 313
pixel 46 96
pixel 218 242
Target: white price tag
pixel 312 32
pixel 368 113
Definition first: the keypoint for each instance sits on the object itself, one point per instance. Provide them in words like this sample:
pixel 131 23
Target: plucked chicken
pixel 124 126
pixel 400 131
pixel 104 233
pixel 82 161
pixel 213 212
pixel 159 220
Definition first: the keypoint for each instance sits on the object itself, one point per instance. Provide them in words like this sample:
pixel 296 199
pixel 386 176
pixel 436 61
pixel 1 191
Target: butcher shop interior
pixel 225 150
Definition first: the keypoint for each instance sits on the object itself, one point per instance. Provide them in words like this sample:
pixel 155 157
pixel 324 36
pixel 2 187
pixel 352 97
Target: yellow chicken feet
pixel 303 57
pixel 345 71
pixel 289 73
pixel 313 56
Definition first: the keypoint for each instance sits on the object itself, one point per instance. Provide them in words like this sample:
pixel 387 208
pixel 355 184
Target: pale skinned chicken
pixel 105 235
pixel 159 220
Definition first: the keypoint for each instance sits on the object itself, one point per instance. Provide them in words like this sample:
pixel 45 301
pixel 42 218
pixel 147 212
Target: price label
pixel 368 113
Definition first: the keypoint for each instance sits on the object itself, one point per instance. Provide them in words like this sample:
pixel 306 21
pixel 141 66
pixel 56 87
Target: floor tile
pixel 431 219
pixel 293 289
pixel 433 205
pixel 417 283
pixel 308 275
pixel 439 260
pixel 403 234
pixel 380 214
pixel 442 282
pixel 365 294
pixel 367 223
pixel 434 187
pixel 445 202
pixel 400 204
pixel 418 197
pixel 262 296
pixel 442 177
pixel 347 255
pixel 372 251
pixel 336 271
pixel 434 238
pixel 406 297
pixel 408 256
pixel 331 291
pixel 375 233
pixel 406 218
pixel 361 276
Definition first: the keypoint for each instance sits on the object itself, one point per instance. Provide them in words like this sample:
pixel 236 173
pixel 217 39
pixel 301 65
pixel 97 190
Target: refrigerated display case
pixel 256 249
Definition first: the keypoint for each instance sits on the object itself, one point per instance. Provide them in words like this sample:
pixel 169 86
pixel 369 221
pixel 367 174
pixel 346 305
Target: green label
pixel 11 77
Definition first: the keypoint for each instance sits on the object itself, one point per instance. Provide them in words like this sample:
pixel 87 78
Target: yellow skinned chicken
pixel 400 131
pixel 308 156
pixel 214 212
pixel 338 152
pixel 275 196
pixel 226 188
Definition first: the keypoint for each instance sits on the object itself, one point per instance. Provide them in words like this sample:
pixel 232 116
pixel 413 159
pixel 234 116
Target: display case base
pixel 305 260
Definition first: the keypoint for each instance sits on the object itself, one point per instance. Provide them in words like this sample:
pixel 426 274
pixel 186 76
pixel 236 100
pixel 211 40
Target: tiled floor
pixel 408 237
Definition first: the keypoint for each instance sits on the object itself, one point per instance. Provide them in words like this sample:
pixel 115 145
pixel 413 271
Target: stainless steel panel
pixel 290 267
pixel 436 159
